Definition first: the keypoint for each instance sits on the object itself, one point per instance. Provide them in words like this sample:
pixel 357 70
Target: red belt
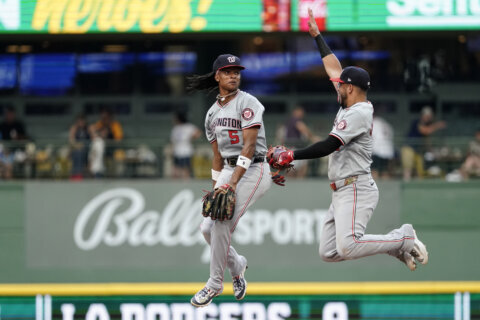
pixel 342 183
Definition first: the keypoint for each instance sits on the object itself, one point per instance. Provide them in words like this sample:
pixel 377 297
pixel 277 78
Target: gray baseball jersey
pixel 353 127
pixel 343 232
pixel 225 124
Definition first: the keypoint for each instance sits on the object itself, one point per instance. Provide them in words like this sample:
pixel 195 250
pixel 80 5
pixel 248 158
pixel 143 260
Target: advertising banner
pixel 459 306
pixel 152 16
pixel 99 226
pixel 415 15
pixel 174 16
pixel 149 231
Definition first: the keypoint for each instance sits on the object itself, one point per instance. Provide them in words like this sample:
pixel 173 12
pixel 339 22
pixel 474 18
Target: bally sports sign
pixel 153 226
pixel 119 217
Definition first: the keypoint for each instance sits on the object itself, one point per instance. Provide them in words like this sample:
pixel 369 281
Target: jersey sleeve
pixel 209 130
pixel 252 113
pixel 352 124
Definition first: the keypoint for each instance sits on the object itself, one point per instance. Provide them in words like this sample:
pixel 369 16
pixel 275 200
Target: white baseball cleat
pixel 240 284
pixel 419 250
pixel 203 297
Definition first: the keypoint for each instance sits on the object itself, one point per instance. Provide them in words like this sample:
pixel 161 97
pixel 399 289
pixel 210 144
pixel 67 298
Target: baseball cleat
pixel 409 260
pixel 203 297
pixel 419 251
pixel 240 285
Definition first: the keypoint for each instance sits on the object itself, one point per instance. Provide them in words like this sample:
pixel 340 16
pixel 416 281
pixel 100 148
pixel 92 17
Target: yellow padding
pixel 254 288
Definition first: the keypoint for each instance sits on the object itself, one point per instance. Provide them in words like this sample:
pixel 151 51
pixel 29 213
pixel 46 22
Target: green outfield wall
pixel 147 231
pixel 272 307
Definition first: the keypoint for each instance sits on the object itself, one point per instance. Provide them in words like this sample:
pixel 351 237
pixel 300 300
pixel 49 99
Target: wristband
pixel 243 162
pixel 215 174
pixel 323 47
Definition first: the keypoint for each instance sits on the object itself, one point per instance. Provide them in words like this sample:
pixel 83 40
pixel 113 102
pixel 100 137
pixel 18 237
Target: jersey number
pixel 233 134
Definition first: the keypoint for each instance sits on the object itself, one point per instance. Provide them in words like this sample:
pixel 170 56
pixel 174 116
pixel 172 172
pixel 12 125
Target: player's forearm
pixel 318 150
pixel 248 151
pixel 330 61
pixel 332 66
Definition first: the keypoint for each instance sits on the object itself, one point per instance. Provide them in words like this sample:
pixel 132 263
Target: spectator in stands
pixel 6 163
pixel 471 166
pixel 383 150
pixel 104 133
pixel 297 134
pixel 418 142
pixel 11 128
pixel 96 155
pixel 107 128
pixel 181 137
pixel 79 138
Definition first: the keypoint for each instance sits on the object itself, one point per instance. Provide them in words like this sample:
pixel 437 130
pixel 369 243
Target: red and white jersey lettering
pixel 225 124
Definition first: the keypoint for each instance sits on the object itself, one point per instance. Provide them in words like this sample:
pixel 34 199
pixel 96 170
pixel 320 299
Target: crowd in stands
pixel 96 150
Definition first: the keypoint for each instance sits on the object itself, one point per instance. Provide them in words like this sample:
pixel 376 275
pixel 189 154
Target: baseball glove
pixel 219 204
pixel 279 157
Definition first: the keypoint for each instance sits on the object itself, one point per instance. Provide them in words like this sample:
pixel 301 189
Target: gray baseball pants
pixel 343 233
pixel 254 183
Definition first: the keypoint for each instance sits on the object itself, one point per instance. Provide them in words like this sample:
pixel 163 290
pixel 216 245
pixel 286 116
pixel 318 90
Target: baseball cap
pixel 354 75
pixel 225 61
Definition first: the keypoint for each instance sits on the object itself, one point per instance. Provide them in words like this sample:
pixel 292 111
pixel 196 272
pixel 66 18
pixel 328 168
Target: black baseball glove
pixel 219 204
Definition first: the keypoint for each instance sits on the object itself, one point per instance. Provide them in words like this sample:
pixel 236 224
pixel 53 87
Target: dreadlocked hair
pixel 203 82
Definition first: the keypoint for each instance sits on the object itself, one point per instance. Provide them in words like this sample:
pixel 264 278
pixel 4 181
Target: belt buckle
pixel 350 180
pixel 232 162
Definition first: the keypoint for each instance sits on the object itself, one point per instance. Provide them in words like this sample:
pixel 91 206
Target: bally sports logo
pixel 118 217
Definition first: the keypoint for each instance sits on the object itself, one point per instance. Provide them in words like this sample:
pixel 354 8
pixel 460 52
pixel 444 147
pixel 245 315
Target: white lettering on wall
pixel 185 311
pixel 335 311
pixel 68 310
pixel 97 311
pixel 118 217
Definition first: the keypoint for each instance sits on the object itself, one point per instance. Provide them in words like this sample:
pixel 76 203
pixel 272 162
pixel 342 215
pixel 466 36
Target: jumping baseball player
pixel 234 127
pixel 355 194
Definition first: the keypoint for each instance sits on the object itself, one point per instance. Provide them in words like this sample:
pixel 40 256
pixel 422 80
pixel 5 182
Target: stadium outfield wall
pixel 272 301
pixel 147 231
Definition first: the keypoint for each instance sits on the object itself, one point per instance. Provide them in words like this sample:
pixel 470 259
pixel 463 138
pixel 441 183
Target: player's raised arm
pixel 330 61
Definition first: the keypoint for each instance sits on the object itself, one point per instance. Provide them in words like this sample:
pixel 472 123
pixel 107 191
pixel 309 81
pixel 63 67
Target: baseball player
pixel 234 127
pixel 355 194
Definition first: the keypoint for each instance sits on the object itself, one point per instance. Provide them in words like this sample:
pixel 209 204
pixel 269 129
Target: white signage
pixel 10 14
pixel 185 311
pixel 441 13
pixel 119 217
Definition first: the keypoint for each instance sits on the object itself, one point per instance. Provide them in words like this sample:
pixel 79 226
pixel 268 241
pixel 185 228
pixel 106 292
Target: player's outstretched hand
pixel 279 157
pixel 278 178
pixel 312 24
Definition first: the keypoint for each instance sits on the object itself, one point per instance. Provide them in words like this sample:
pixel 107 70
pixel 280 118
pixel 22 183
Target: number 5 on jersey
pixel 234 138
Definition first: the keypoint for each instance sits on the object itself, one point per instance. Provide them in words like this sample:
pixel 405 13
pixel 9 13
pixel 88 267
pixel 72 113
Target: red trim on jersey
pixel 238 218
pixel 353 224
pixel 257 124
pixel 232 66
pixel 213 140
pixel 248 201
pixel 334 135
